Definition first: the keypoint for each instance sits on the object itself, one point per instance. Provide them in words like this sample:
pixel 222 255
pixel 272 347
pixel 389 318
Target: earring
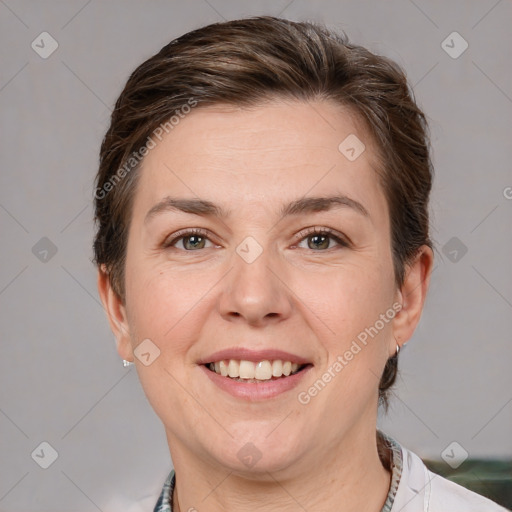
pixel 127 363
pixel 397 349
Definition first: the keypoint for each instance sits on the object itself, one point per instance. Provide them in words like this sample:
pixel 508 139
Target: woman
pixel 263 252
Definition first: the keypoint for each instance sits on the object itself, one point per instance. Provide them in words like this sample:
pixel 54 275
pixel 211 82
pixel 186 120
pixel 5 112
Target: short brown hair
pixel 244 63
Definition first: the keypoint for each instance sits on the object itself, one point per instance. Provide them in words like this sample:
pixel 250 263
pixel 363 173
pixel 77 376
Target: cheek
pixel 353 297
pixel 356 305
pixel 163 305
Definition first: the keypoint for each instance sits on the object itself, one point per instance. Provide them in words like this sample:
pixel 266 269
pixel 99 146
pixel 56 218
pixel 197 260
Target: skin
pixel 309 301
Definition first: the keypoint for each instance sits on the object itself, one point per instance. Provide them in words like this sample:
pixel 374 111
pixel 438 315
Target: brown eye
pixel 193 242
pixel 321 239
pixel 189 240
pixel 318 242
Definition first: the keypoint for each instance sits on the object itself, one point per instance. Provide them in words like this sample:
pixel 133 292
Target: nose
pixel 255 291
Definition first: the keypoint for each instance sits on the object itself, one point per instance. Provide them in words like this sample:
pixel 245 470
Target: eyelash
pixel 305 233
pixel 337 237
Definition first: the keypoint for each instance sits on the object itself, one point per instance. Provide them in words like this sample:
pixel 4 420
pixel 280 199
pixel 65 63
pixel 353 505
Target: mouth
pixel 242 370
pixel 254 375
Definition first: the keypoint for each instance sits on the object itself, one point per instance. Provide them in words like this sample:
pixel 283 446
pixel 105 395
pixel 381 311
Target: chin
pixel 260 454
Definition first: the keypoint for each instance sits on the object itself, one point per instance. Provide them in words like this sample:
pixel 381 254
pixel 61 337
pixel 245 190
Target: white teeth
pixel 247 370
pixel 223 368
pixel 263 370
pixel 233 368
pixel 277 368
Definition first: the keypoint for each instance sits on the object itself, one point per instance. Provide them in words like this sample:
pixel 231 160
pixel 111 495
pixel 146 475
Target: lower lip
pixel 255 391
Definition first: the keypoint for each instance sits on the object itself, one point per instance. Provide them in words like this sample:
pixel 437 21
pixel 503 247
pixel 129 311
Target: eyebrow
pixel 300 206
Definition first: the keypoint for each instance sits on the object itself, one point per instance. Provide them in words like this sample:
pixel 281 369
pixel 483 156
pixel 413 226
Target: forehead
pixel 273 152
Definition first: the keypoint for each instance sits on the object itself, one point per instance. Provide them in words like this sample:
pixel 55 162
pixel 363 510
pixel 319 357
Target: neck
pixel 349 477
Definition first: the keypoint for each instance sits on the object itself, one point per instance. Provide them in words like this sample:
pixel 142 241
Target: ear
pixel 116 314
pixel 412 295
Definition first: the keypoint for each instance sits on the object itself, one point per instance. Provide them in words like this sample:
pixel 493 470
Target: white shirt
pixel 420 490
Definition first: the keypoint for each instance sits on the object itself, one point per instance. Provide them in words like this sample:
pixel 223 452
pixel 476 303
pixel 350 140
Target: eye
pixel 191 240
pixel 319 239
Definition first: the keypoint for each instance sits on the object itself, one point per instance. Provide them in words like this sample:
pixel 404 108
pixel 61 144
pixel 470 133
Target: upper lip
pixel 241 353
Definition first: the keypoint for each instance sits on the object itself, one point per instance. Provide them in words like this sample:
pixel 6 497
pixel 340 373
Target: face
pixel 255 243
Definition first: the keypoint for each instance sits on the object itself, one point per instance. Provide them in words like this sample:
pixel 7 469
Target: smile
pixel 254 375
pixel 254 372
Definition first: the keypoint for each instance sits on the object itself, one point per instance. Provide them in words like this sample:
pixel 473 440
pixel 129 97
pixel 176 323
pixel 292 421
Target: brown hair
pixel 244 63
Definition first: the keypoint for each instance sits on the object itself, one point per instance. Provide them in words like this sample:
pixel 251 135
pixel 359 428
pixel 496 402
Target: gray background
pixel 61 380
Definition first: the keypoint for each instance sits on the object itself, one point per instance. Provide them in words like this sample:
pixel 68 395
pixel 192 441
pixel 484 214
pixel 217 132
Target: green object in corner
pixel 488 477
